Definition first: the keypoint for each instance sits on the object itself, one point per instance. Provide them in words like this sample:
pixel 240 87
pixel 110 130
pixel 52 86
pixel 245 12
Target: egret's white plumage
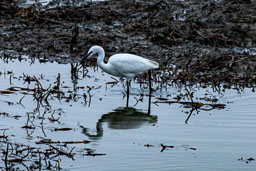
pixel 123 64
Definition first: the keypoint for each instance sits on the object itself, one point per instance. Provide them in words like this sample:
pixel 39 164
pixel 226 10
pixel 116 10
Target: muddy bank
pixel 209 40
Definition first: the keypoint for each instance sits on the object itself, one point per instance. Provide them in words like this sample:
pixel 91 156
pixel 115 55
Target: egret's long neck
pixel 100 60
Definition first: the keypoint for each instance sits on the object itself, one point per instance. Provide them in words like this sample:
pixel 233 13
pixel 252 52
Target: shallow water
pixel 126 139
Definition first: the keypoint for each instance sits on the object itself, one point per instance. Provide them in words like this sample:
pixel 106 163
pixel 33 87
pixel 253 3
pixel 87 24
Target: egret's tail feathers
pixel 154 64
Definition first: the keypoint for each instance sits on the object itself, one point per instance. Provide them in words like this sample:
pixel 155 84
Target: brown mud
pixel 210 41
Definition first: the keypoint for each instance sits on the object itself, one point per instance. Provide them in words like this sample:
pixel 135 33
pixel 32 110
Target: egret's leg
pixel 149 80
pixel 128 92
pixel 150 91
pixel 128 88
pixel 149 104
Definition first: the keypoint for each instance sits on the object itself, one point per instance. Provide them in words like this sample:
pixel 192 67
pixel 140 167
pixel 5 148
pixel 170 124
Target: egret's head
pixel 94 50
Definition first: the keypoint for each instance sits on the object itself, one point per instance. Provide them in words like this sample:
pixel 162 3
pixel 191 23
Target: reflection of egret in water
pixel 121 118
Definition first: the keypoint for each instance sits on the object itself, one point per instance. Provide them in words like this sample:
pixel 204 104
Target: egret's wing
pixel 128 63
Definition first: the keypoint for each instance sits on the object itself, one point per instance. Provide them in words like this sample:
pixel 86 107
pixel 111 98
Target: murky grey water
pixel 129 138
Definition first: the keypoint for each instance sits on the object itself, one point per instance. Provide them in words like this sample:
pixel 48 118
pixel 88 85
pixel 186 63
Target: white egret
pixel 123 64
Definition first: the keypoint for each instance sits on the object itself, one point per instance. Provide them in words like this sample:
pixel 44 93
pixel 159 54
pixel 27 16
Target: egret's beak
pixel 88 54
pixel 85 57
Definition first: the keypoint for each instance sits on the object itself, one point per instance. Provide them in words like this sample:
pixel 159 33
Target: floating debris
pixel 164 147
pixel 62 129
pixel 6 92
pixel 90 152
pixel 192 148
pixel 148 145
pixel 250 159
pixel 49 141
